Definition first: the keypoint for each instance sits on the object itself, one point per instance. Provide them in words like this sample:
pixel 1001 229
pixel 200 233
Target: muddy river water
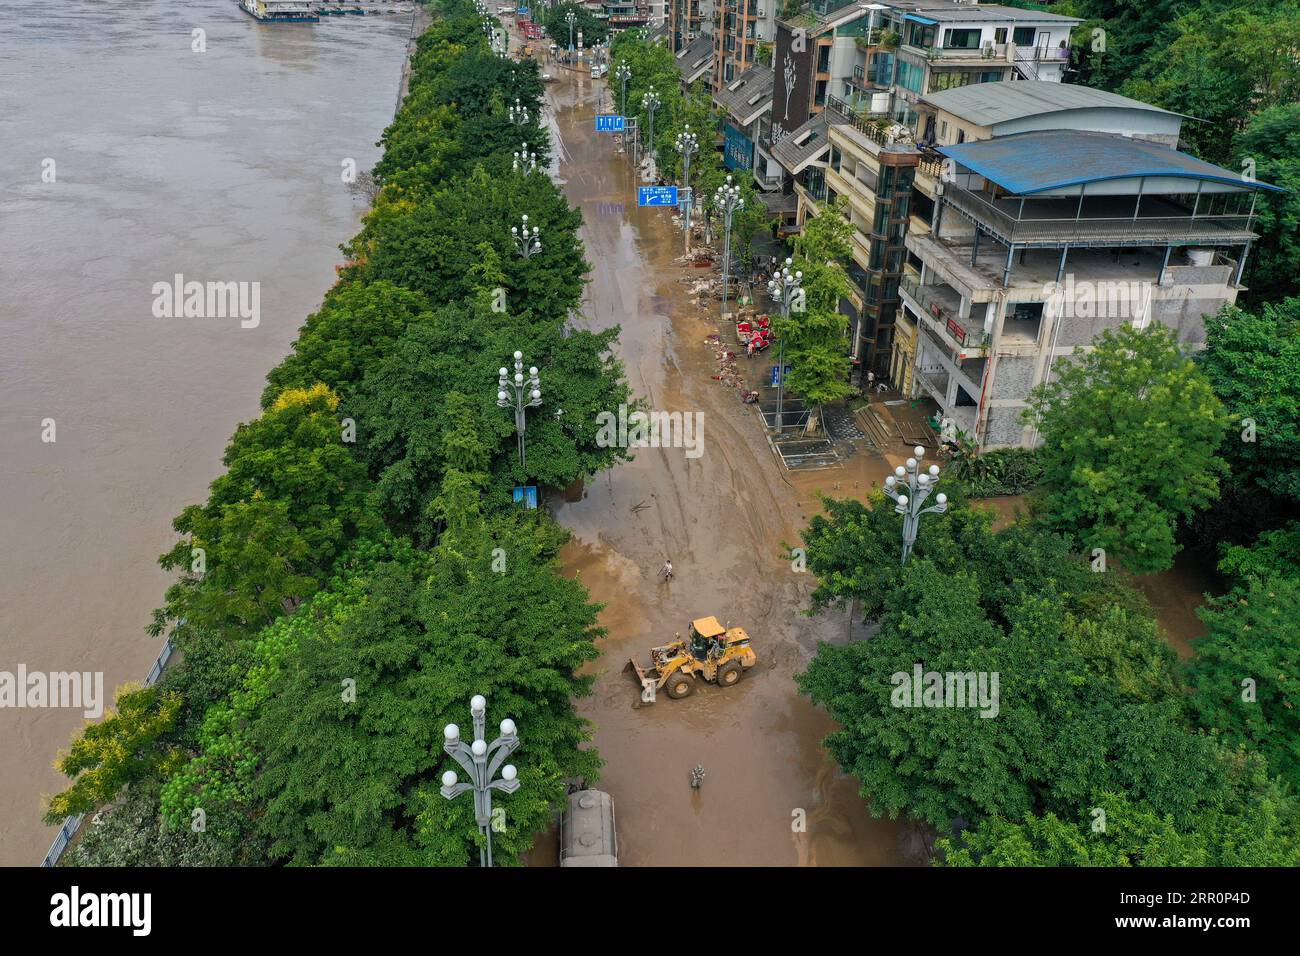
pixel 221 165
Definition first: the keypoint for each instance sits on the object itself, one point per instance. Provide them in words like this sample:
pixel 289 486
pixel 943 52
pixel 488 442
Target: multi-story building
pixel 746 105
pixel 840 154
pixel 987 110
pixel 1042 239
pixel 741 28
pixel 688 19
pixel 626 14
pixel 911 49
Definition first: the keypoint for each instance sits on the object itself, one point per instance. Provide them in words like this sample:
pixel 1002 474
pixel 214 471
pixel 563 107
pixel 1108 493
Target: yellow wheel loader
pixel 709 651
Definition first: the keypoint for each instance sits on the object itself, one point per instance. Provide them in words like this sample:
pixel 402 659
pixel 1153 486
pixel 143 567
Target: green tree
pixel 1271 142
pixel 119 749
pixel 273 525
pixel 356 781
pixel 405 414
pixel 1274 553
pixel 554 20
pixel 1131 431
pixel 1223 65
pixel 1073 710
pixel 1246 672
pixel 1118 831
pixel 815 332
pixel 1252 360
pixel 458 243
pixel 355 327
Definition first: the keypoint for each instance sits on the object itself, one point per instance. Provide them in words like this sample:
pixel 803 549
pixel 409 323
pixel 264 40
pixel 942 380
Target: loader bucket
pixel 644 680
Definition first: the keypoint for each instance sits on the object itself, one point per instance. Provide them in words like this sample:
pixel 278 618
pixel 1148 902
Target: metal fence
pixel 72 824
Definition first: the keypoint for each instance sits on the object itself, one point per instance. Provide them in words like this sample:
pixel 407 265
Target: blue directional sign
pixel 526 495
pixel 656 196
pixel 777 376
pixel 609 123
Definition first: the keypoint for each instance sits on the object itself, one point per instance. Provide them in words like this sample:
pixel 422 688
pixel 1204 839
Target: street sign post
pixel 609 123
pixel 656 196
pixel 777 375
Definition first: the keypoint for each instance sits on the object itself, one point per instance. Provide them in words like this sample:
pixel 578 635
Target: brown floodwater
pixel 771 795
pixel 222 165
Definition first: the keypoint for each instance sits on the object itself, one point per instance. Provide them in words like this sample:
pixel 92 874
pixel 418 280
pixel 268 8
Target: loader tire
pixel 729 675
pixel 680 685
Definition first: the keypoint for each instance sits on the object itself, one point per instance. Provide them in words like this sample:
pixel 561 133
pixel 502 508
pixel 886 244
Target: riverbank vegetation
pixel 360 570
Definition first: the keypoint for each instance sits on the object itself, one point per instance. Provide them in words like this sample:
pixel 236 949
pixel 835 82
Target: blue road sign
pixel 656 196
pixel 526 495
pixel 776 376
pixel 609 123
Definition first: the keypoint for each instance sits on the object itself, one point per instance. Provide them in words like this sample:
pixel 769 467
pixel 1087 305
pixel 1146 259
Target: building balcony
pixel 1103 220
pixel 940 309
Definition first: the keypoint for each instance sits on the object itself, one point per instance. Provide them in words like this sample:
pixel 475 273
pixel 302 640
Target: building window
pixel 835 158
pixel 823 59
pixel 910 76
pixel 991 76
pixel 961 39
pixel 920 34
pixel 820 98
pixel 943 131
pixel 1000 35
pixel 1023 36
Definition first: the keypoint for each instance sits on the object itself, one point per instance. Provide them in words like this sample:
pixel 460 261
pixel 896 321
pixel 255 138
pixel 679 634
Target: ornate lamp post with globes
pixel 526 395
pixel 909 487
pixel 480 761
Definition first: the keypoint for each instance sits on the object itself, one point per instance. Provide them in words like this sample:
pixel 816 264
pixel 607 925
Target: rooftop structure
pixel 1084 188
pixel 695 59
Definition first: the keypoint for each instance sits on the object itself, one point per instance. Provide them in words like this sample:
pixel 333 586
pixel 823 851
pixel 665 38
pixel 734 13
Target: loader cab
pixel 706 634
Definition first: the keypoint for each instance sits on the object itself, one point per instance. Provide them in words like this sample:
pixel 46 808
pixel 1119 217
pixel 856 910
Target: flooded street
pixel 722 518
pixel 223 165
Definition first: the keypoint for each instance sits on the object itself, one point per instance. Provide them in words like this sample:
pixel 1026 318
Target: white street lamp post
pixel 785 288
pixel 727 198
pixel 525 161
pixel 623 74
pixel 527 243
pixel 909 487
pixel 480 760
pixel 526 395
pixel 688 144
pixel 651 102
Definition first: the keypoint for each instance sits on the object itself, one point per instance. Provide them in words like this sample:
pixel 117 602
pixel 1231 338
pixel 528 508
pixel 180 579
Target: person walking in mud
pixel 666 572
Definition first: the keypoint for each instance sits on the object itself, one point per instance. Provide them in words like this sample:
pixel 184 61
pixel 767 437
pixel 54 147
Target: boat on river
pixel 281 11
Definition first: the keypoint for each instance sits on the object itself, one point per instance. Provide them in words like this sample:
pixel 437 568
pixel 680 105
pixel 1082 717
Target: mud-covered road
pixel 771 795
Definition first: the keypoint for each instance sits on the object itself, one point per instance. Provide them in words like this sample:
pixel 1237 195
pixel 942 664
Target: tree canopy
pixel 1131 430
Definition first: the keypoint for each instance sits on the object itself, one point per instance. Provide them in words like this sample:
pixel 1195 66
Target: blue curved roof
pixel 1044 160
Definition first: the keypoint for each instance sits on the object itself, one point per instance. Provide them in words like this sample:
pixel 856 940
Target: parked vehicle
pixel 587 834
